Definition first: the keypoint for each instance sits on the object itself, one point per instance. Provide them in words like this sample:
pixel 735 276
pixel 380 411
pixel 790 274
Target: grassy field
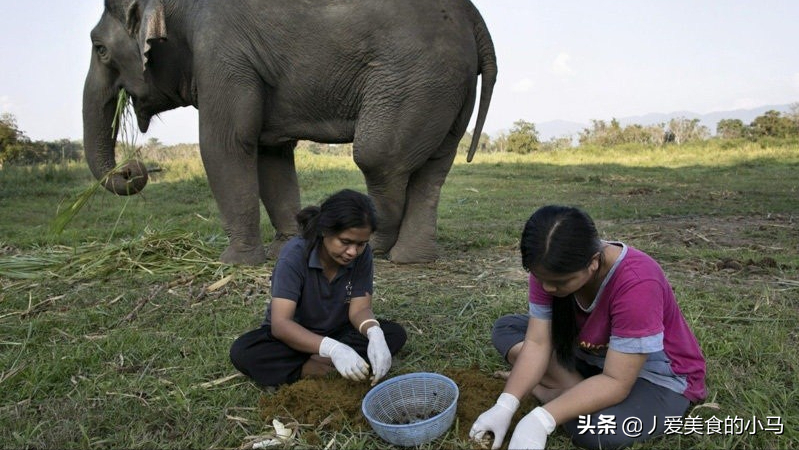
pixel 115 333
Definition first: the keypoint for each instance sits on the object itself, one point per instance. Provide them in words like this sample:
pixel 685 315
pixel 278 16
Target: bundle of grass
pixel 123 124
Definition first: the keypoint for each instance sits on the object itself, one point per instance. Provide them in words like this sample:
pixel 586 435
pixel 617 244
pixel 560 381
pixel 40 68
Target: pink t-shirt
pixel 635 312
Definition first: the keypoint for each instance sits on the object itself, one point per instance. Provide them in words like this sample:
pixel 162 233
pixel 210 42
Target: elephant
pixel 397 78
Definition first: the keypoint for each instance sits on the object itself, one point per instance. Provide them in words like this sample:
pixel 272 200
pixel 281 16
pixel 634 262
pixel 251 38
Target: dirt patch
pixel 731 232
pixel 332 403
pixel 762 264
pixel 8 250
pixel 641 191
pixel 718 244
pixel 479 392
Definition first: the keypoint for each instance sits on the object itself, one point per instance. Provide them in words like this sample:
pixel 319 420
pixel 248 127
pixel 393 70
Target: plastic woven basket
pixel 411 409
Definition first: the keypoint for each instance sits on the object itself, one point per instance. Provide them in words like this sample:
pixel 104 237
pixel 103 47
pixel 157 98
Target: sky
pixel 568 60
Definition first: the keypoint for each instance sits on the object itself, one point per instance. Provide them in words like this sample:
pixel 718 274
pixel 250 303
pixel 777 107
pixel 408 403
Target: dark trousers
pixel 269 362
pixel 648 407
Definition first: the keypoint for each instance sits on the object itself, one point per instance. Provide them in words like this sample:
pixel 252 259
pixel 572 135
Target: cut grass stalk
pixel 157 253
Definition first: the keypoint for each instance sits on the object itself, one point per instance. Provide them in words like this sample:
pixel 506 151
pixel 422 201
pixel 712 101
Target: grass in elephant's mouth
pixel 124 128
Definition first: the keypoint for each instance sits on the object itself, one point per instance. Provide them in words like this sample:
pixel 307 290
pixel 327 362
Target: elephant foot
pixel 251 257
pixel 406 255
pixel 273 251
pixel 379 246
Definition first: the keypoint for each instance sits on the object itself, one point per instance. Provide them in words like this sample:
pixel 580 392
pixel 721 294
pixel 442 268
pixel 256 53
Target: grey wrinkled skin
pixel 397 78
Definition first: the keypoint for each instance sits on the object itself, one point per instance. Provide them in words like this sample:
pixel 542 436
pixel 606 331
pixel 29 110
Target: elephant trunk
pixel 99 139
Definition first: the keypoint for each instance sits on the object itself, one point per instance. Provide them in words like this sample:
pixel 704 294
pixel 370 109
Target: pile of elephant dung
pixel 329 402
pixel 333 403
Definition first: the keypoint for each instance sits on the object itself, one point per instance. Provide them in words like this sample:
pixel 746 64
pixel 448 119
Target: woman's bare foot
pixel 546 395
pixel 543 394
pixel 502 374
pixel 316 367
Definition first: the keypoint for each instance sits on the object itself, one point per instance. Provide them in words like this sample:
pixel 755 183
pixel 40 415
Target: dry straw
pixel 154 252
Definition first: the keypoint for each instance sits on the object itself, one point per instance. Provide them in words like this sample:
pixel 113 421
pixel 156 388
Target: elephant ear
pixel 149 25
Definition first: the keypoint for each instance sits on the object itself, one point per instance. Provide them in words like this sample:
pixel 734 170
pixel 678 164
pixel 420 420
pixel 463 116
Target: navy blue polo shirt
pixel 322 305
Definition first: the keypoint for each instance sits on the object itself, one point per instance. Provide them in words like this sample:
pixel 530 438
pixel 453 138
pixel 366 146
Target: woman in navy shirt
pixel 320 316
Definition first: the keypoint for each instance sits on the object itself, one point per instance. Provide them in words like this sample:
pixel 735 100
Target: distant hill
pixel 557 128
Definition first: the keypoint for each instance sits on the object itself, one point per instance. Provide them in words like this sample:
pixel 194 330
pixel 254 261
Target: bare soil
pixel 751 236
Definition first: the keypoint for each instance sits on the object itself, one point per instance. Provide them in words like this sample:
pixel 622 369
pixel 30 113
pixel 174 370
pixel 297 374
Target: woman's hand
pixel 532 431
pixel 496 420
pixel 379 354
pixel 347 361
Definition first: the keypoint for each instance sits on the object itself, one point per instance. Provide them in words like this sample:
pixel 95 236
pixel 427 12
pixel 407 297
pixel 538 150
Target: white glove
pixel 379 355
pixel 496 420
pixel 532 431
pixel 347 361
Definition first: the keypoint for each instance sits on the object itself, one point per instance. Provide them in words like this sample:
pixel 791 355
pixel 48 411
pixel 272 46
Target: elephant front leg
pixel 233 178
pixel 234 184
pixel 280 193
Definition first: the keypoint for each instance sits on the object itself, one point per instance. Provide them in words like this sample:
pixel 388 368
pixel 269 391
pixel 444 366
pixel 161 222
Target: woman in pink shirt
pixel 604 345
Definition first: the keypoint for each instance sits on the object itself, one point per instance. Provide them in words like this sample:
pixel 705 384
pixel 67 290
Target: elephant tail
pixel 487 61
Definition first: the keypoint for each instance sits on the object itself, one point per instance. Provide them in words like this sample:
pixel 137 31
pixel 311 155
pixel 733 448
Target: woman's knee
pixel 238 356
pixel 395 334
pixel 592 439
pixel 601 441
pixel 248 350
pixel 508 331
pixel 647 404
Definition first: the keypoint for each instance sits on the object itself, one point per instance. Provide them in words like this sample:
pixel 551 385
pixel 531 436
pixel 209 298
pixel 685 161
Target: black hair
pixel 561 240
pixel 343 210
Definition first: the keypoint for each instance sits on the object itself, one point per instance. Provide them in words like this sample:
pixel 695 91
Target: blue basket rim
pixel 372 393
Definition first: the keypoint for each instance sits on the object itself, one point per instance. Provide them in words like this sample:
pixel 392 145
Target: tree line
pixel 524 138
pixel 17 148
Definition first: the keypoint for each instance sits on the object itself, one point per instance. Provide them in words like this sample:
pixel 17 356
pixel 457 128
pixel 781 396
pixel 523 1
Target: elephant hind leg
pixel 383 149
pixel 416 242
pixel 405 155
pixel 388 194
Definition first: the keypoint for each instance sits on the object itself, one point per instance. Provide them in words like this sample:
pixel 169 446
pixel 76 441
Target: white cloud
pixel 5 103
pixel 795 80
pixel 561 65
pixel 523 85
pixel 746 103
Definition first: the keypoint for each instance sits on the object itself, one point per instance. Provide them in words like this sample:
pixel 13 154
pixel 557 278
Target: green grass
pixel 113 334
